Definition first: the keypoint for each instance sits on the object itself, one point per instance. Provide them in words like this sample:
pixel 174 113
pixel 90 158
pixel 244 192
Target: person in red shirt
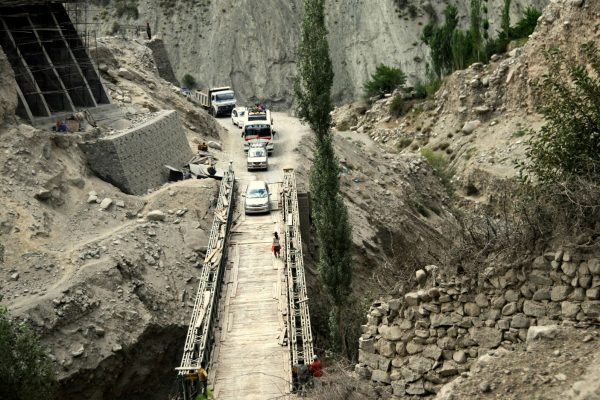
pixel 315 367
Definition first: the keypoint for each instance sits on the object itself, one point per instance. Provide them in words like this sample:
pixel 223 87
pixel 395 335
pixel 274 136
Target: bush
pixel 189 81
pixel 526 26
pixel 427 89
pixel 127 8
pixel 568 146
pixel 116 27
pixel 26 371
pixel 384 80
pixel 397 105
pixel 441 167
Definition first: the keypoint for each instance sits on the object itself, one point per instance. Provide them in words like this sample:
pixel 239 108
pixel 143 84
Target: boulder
pixel 380 376
pixel 390 332
pixel 415 388
pixel 591 309
pixel 534 309
pixel 520 321
pixel 472 310
pixel 419 364
pixel 105 203
pixel 560 293
pixel 509 309
pixel 487 337
pixel 156 215
pixel 125 73
pixel 460 357
pixel 542 294
pixel 594 266
pixel 540 278
pixel 214 145
pixel 470 126
pixel 546 332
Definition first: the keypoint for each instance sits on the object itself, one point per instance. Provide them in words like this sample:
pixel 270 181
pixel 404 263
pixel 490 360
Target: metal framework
pixel 299 329
pixel 200 336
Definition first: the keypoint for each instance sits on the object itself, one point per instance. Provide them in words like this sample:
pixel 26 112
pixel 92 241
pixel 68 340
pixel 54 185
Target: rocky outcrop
pixel 8 88
pixel 412 345
pixel 252 45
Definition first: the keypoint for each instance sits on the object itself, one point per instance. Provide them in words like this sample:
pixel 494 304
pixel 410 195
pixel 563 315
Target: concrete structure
pixel 134 160
pixel 161 59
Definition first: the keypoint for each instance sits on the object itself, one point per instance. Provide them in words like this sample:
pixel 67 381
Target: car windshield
pixel 263 131
pixel 242 113
pixel 224 96
pixel 257 153
pixel 257 193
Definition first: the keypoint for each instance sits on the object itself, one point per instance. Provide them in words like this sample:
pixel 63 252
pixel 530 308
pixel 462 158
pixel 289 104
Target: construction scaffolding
pixel 50 58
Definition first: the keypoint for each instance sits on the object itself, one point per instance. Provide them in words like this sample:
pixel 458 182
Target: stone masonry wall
pixel 134 160
pixel 413 345
pixel 161 59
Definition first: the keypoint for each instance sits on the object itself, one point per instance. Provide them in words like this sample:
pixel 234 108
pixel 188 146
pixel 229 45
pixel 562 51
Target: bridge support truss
pixel 200 337
pixel 299 329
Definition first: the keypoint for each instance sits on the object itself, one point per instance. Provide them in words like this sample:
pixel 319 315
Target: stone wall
pixel 161 60
pixel 415 344
pixel 134 160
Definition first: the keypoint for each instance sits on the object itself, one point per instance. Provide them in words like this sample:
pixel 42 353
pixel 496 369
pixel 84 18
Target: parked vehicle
pixel 238 116
pixel 258 132
pixel 218 101
pixel 257 157
pixel 257 198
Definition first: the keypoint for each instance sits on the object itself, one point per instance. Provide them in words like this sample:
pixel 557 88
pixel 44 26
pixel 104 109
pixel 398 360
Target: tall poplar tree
pixel 313 94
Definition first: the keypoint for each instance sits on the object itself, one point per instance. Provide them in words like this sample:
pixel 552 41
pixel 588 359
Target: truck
pixel 258 132
pixel 218 101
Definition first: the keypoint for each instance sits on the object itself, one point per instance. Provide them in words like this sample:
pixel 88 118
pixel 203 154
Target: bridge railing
pixel 299 329
pixel 200 336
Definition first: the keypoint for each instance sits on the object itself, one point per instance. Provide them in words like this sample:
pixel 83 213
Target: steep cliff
pixel 251 44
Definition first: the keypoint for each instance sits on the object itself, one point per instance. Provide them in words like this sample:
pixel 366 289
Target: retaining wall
pixel 413 345
pixel 134 160
pixel 161 60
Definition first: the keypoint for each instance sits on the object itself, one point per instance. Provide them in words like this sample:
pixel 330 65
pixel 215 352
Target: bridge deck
pixel 249 361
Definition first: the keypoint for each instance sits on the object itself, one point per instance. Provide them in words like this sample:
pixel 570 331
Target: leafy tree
pixel 313 91
pixel 568 146
pixel 505 24
pixel 439 40
pixel 526 26
pixel 475 30
pixel 384 80
pixel 462 49
pixel 26 372
pixel 189 81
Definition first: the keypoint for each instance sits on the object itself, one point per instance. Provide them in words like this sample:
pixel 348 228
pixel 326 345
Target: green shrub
pixel 404 143
pixel 26 371
pixel 397 105
pixel 126 8
pixel 568 146
pixel 526 26
pixel 428 88
pixel 188 81
pixel 116 27
pixel 384 80
pixel 440 166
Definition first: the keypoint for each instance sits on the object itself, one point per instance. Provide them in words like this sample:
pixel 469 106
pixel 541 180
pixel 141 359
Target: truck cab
pixel 222 101
pixel 258 132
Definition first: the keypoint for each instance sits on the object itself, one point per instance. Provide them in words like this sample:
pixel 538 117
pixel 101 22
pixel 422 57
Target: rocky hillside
pixel 251 44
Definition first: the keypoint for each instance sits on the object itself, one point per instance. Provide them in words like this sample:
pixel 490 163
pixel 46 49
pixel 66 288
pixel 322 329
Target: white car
pixel 257 198
pixel 238 116
pixel 257 157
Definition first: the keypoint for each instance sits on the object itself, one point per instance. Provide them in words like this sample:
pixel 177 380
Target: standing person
pixel 202 380
pixel 276 247
pixel 316 370
pixel 148 30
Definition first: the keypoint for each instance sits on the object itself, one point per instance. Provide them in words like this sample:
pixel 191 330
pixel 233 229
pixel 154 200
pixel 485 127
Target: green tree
pixel 526 25
pixel 568 145
pixel 26 372
pixel 462 49
pixel 475 31
pixel 313 89
pixel 384 80
pixel 330 216
pixel 439 40
pixel 505 24
pixel 188 81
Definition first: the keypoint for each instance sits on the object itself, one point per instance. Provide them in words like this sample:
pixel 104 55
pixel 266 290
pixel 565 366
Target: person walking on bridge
pixel 276 247
pixel 202 380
